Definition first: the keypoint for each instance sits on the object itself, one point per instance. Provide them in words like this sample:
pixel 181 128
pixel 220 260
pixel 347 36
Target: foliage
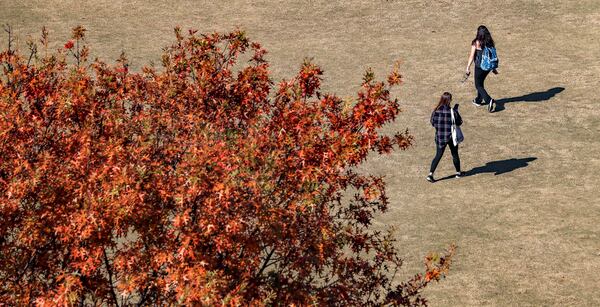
pixel 193 184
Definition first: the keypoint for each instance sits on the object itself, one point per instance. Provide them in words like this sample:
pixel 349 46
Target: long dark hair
pixel 444 100
pixel 484 37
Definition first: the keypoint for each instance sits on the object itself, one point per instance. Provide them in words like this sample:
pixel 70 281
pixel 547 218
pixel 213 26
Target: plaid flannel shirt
pixel 442 121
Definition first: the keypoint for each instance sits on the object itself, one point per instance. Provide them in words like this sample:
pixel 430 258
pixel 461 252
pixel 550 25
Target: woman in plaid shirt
pixel 442 121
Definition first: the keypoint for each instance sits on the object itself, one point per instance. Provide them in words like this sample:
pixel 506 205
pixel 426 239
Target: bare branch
pixel 8 29
pixel 110 278
pixel 265 262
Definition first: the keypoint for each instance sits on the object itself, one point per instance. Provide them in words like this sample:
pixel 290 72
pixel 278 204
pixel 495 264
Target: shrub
pixel 194 184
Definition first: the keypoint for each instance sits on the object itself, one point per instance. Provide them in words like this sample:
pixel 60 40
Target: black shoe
pixel 430 179
pixel 459 175
pixel 491 106
pixel 477 104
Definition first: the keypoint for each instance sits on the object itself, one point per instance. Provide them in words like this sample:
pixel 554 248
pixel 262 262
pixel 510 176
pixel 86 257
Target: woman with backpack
pixel 441 119
pixel 483 53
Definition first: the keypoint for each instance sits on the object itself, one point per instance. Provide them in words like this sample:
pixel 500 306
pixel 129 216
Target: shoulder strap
pixel 452 116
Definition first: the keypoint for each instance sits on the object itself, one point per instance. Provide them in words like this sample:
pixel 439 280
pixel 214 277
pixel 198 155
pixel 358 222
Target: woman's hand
pixel 467 71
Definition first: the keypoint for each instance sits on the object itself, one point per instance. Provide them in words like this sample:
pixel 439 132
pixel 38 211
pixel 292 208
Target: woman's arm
pixel 471 58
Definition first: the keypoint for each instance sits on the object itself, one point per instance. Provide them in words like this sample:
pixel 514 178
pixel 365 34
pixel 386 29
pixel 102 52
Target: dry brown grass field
pixel 527 218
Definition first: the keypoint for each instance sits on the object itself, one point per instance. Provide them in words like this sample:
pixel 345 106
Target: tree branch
pixel 110 279
pixel 265 263
pixel 27 265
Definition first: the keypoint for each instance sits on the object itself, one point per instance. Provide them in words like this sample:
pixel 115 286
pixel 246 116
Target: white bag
pixel 457 135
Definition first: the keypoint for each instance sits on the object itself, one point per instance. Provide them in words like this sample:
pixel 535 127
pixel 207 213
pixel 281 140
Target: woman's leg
pixel 455 157
pixel 482 94
pixel 436 160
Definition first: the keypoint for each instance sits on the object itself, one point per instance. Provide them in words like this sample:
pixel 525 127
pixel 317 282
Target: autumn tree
pixel 198 183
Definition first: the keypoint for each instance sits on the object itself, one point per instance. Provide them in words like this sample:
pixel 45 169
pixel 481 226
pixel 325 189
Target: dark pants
pixel 440 152
pixel 482 94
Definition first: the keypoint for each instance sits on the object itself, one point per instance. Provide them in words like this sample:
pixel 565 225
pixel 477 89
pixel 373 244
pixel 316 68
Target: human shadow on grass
pixel 497 167
pixel 501 166
pixel 532 97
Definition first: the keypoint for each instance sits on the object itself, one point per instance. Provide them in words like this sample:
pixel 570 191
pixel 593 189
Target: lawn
pixel 526 219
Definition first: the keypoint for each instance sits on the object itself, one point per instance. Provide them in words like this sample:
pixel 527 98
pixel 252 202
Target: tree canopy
pixel 199 183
